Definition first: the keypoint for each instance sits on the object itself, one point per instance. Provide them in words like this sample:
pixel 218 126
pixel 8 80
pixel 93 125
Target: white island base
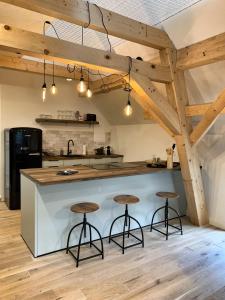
pixel 46 215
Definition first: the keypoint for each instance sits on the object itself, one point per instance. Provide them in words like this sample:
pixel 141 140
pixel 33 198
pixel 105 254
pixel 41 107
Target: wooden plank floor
pixel 191 266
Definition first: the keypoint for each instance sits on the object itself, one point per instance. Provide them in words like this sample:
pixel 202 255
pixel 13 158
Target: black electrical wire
pixel 89 15
pixel 53 64
pixel 77 68
pixel 103 24
pixel 49 23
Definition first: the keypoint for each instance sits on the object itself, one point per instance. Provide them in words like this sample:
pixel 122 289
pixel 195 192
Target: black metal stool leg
pixel 111 227
pixel 90 235
pixel 181 227
pixel 124 230
pixel 166 219
pixel 142 234
pixel 78 249
pixel 128 232
pixel 100 237
pixel 163 207
pixel 68 239
pixel 85 227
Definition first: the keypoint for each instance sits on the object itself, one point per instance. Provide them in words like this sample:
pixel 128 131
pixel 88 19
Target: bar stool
pixel 125 200
pixel 84 208
pixel 166 207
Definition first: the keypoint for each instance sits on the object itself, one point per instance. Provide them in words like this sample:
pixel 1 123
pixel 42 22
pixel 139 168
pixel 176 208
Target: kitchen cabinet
pixel 75 162
pixel 52 163
pixel 80 161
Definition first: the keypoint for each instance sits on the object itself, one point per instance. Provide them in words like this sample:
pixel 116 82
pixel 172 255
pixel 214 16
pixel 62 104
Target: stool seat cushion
pixel 167 195
pixel 126 199
pixel 84 207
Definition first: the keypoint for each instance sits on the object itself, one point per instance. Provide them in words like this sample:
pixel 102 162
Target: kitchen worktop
pixel 46 176
pixel 88 156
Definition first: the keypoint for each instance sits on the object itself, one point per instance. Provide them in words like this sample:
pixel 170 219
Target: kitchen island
pixel 46 199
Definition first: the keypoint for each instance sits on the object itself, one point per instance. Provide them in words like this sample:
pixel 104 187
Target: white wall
pixel 20 104
pixel 141 141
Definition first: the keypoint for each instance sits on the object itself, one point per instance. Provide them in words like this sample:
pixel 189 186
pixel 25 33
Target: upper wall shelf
pixel 64 121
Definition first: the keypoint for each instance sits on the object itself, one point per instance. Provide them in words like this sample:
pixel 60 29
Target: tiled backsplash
pixel 55 140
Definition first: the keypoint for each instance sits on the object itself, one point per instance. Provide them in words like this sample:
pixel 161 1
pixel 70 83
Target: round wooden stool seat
pixel 167 195
pixel 126 199
pixel 84 207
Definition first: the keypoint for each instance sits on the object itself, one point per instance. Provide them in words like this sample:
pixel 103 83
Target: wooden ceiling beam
pixel 202 53
pixel 208 119
pixel 198 109
pixel 113 81
pixel 18 63
pixel 33 44
pixel 76 12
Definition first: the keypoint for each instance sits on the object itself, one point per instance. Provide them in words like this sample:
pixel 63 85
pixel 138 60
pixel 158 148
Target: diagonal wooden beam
pixel 106 84
pixel 198 109
pixel 76 12
pixel 202 53
pixel 143 101
pixel 37 45
pixel 154 102
pixel 21 64
pixel 208 119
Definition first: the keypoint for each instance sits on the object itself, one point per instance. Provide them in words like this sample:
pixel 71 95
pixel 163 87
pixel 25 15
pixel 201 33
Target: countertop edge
pixel 98 176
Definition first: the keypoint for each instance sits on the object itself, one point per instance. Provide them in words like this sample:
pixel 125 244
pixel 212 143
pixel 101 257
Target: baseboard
pixel 216 224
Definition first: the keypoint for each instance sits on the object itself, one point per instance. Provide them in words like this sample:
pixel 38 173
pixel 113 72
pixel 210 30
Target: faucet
pixel 68 147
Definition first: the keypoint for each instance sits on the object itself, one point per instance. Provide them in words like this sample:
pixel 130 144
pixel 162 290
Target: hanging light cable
pixel 44 86
pixel 89 92
pixel 128 110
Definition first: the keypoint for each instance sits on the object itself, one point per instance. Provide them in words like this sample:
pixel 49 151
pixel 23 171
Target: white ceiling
pixel 151 12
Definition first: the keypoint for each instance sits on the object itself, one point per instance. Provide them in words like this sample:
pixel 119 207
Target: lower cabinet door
pixel 52 164
pixel 75 162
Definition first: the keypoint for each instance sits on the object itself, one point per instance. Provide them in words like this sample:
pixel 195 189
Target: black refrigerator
pixel 23 150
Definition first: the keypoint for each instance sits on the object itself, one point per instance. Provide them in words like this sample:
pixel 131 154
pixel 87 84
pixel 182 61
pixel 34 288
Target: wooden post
pixel 188 156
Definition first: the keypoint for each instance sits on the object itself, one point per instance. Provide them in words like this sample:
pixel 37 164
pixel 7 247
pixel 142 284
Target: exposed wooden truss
pixel 36 45
pixel 202 53
pixel 198 109
pixel 76 12
pixel 171 115
pixel 208 119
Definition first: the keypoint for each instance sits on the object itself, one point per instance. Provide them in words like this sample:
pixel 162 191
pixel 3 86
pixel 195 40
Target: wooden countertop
pixel 58 157
pixel 48 176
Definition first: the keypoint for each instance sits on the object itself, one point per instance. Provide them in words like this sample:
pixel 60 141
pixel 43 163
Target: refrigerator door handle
pixel 34 154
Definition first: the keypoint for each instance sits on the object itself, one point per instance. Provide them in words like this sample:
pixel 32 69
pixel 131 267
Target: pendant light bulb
pixel 128 110
pixel 81 87
pixel 89 93
pixel 53 89
pixel 44 90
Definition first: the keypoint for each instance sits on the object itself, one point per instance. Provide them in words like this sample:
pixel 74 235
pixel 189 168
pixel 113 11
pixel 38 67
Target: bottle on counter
pixel 169 152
